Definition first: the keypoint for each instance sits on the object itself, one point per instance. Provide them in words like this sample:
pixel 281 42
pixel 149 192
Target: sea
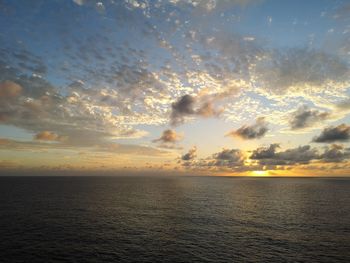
pixel 174 219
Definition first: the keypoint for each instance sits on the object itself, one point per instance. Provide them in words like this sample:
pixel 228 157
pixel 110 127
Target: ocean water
pixel 174 219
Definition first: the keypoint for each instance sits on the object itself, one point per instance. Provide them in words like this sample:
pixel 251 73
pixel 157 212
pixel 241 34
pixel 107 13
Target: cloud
pixel 225 160
pixel 9 89
pixel 211 5
pixel 255 131
pixel 169 140
pixel 333 134
pixel 294 69
pixel 344 104
pixel 4 141
pixel 207 110
pixel 265 153
pixel 299 156
pixel 190 155
pixel 48 136
pixel 5 164
pixel 131 149
pixel 103 87
pixel 269 156
pixel 183 106
pixel 79 2
pixel 229 157
pixel 305 117
pixel 335 153
pixel 342 12
pixel 103 147
pixel 100 7
pixel 187 105
pixel 85 116
pixel 169 136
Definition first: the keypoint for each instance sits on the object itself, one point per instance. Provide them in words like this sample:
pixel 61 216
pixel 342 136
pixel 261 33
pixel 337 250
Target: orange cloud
pixel 169 136
pixel 9 89
pixel 48 136
pixel 4 141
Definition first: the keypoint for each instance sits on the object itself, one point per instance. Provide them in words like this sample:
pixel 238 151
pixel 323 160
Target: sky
pixel 198 87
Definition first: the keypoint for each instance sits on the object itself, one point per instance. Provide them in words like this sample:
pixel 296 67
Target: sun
pixel 259 173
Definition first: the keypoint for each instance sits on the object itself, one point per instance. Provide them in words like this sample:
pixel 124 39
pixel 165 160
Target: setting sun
pixel 259 173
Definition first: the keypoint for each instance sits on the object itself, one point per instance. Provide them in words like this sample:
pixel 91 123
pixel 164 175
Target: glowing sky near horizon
pixel 230 87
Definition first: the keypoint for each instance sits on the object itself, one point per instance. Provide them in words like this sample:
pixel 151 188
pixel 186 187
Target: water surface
pixel 174 219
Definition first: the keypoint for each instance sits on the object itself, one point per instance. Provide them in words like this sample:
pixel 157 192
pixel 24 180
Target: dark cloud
pixel 192 153
pixel 265 152
pixel 228 157
pixel 225 160
pixel 190 106
pixel 300 155
pixel 183 106
pixel 335 153
pixel 255 131
pixel 269 156
pixel 333 134
pixel 305 117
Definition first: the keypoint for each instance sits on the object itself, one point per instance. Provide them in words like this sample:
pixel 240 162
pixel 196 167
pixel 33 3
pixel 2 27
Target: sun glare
pixel 260 173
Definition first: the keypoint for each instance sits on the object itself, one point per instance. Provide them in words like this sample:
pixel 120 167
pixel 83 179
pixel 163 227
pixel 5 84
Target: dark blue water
pixel 174 219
